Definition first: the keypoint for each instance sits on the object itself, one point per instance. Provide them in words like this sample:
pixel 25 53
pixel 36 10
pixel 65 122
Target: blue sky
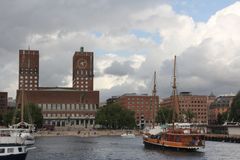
pixel 200 10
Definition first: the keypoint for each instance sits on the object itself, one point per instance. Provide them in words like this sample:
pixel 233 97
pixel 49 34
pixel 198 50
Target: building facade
pixel 6 104
pixel 3 102
pixel 28 69
pixel 198 104
pixel 83 70
pixel 63 106
pixel 221 105
pixel 144 106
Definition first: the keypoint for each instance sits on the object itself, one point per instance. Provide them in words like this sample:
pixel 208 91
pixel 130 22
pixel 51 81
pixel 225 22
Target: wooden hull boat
pixel 175 140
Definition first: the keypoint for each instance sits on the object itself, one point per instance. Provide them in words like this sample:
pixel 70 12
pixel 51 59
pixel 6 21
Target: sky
pixel 130 40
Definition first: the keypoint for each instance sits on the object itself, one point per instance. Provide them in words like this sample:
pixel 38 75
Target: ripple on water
pixel 118 148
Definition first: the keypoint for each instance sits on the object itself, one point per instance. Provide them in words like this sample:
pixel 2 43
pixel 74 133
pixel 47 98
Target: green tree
pixel 115 116
pixel 235 109
pixel 32 114
pixel 164 115
pixel 7 117
pixel 189 115
pixel 221 118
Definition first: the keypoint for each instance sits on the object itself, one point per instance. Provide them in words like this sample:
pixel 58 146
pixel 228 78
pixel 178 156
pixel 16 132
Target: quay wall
pixel 222 138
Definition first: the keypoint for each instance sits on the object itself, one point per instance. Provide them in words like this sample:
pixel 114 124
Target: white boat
pixel 128 135
pixel 11 147
pixel 24 130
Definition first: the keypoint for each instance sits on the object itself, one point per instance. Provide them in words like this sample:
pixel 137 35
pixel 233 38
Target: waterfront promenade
pixel 84 133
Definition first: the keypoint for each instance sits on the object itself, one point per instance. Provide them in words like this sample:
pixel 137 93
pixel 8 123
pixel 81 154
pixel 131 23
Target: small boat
pixel 128 134
pixel 12 147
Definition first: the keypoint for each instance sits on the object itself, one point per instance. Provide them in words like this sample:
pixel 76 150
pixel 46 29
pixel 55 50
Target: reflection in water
pixel 175 153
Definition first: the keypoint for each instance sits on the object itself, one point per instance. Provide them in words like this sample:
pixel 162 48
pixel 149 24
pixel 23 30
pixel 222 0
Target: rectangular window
pixel 2 150
pixel 59 107
pixel 10 150
pixel 73 106
pixel 77 106
pixel 54 107
pixel 68 106
pixel 49 106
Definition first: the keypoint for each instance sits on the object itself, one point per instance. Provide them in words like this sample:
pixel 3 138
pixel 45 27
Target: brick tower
pixel 83 70
pixel 28 69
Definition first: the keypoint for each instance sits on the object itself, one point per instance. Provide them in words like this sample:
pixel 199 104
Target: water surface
pixel 118 148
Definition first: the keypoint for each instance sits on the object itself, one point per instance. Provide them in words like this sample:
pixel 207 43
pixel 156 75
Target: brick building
pixel 61 106
pixel 144 106
pixel 3 102
pixel 113 99
pixel 83 70
pixel 221 105
pixel 6 104
pixel 28 69
pixel 198 104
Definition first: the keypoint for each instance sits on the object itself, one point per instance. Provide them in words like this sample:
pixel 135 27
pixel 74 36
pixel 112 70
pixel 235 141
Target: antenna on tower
pixel 81 49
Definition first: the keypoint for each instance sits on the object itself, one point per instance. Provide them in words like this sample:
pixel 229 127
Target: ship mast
pixel 22 106
pixel 154 91
pixel 174 94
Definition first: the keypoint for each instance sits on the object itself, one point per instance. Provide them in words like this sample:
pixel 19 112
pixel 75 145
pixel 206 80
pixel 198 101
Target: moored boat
pixel 128 134
pixel 178 139
pixel 25 131
pixel 179 136
pixel 11 147
pixel 12 152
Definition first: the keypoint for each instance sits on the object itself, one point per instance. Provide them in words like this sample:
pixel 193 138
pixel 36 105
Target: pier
pixel 222 138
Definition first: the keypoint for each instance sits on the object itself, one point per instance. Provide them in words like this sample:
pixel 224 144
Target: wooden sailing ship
pixel 172 137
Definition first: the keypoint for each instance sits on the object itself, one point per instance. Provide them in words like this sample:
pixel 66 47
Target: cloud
pixel 207 52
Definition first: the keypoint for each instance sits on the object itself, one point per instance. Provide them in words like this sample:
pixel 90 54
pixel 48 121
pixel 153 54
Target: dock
pixel 222 138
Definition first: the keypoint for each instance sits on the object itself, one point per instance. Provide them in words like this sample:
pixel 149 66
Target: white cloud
pixel 208 53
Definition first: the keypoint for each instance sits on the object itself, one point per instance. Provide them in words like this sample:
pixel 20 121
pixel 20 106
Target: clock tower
pixel 83 70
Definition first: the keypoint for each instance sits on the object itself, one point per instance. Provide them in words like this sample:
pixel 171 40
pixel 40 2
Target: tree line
pixel 32 115
pixel 233 114
pixel 114 116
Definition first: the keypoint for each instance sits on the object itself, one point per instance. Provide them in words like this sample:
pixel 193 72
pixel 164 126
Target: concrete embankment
pixel 84 133
pixel 222 138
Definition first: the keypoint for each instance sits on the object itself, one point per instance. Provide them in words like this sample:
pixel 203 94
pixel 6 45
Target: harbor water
pixel 118 148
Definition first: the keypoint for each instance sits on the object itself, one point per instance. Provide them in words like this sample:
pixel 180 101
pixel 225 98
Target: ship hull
pixel 163 147
pixel 14 157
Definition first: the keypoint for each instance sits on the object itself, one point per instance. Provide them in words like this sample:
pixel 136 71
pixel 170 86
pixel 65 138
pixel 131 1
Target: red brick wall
pixel 83 71
pixel 28 69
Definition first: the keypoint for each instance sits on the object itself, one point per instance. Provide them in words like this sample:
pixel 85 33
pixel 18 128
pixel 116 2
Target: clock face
pixel 82 63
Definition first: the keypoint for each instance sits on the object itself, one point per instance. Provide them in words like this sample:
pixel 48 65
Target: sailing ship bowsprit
pixel 178 138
